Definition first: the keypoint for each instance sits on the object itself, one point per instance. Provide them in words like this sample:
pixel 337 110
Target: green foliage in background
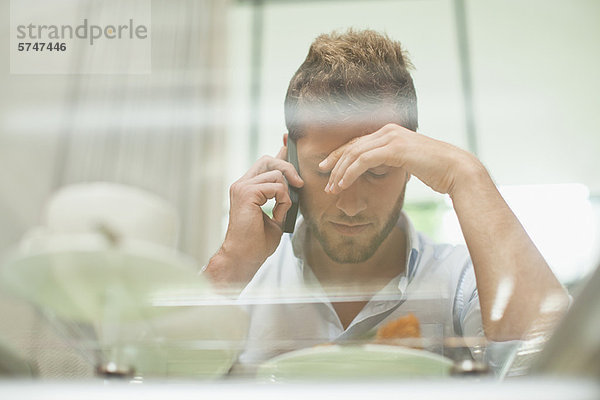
pixel 426 216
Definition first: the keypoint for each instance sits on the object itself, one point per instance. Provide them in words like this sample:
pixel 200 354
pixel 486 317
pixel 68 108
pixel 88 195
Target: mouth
pixel 349 230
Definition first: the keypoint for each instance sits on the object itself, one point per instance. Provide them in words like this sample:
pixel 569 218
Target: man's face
pixel 351 225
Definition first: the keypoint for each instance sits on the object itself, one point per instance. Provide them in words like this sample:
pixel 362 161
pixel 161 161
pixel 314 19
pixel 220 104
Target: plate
pixel 128 304
pixel 370 361
pixel 84 278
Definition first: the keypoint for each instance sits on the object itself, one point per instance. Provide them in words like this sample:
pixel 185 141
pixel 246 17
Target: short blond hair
pixel 351 73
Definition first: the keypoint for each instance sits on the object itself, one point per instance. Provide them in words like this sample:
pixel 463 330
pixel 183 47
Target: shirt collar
pixel 414 244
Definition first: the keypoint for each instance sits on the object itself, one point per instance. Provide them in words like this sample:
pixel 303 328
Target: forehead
pixel 325 128
pixel 320 139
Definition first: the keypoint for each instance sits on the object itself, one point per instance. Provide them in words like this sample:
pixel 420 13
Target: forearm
pixel 516 287
pixel 228 275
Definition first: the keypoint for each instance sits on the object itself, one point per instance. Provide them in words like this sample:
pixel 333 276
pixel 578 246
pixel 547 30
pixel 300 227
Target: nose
pixel 351 201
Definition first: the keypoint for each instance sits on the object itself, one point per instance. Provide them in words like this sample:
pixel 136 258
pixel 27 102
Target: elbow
pixel 528 321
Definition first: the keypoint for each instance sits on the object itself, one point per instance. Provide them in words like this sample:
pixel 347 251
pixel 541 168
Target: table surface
pixel 523 388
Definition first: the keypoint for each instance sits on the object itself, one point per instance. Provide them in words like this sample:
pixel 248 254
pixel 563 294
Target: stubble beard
pixel 352 250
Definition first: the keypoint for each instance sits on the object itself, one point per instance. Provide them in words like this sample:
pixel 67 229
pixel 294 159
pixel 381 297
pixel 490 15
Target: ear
pixel 285 138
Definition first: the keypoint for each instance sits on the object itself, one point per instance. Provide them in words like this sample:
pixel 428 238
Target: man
pixel 355 260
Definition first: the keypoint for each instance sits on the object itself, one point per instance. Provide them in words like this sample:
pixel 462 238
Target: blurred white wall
pixel 533 70
pixel 161 131
pixel 536 89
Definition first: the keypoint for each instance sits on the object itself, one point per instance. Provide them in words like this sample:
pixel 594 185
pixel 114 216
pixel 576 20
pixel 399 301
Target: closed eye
pixel 377 172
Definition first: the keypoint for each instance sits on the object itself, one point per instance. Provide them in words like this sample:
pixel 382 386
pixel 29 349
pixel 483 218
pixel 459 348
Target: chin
pixel 348 250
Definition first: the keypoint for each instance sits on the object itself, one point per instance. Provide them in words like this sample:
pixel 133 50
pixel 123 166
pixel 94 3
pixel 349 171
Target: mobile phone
pixel 290 217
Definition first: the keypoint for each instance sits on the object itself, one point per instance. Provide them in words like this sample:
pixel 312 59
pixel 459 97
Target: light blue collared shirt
pixel 289 309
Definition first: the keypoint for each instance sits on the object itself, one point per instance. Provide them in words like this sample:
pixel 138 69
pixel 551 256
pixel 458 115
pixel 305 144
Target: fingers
pixel 280 191
pixel 329 162
pixel 274 176
pixel 279 212
pixel 377 137
pixel 267 163
pixel 268 178
pixel 357 156
pixel 283 201
pixel 366 161
pixel 259 189
pixel 274 190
